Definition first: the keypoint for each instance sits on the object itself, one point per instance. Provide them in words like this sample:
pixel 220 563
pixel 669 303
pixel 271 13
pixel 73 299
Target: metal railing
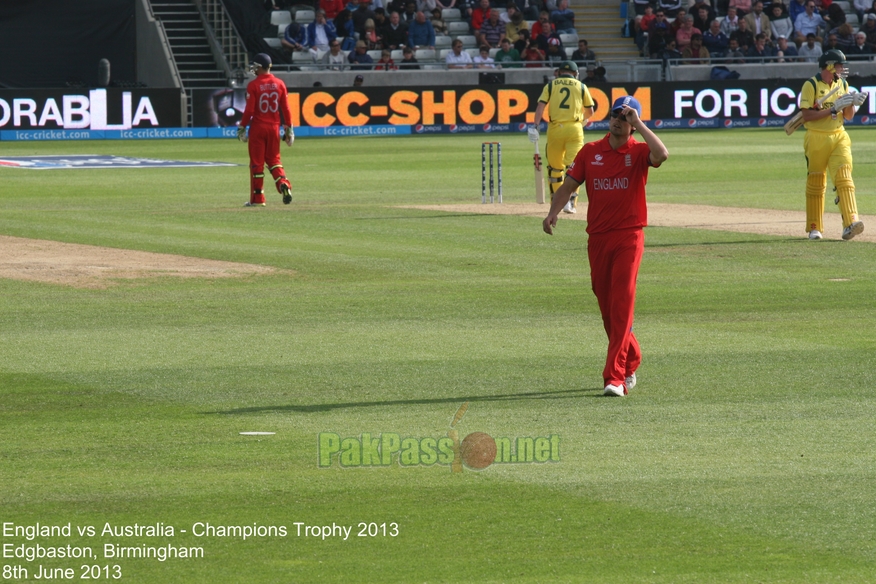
pixel 225 40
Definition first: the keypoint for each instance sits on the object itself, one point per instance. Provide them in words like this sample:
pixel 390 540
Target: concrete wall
pixel 155 65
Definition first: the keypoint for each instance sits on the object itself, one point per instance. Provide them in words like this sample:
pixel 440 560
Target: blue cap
pixel 627 100
pixel 262 60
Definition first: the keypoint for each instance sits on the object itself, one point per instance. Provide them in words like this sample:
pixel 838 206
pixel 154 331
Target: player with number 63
pixel 265 104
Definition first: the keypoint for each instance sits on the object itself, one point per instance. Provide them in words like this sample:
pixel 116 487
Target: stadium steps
pixel 189 44
pixel 600 22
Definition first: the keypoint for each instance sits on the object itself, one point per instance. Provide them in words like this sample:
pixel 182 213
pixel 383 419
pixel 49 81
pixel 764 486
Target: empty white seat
pixel 273 42
pixel 442 54
pixel 375 54
pixel 493 52
pixel 468 40
pixel 425 54
pixel 569 51
pixel 302 57
pixel 397 55
pixel 451 14
pixel 473 52
pixel 569 39
pixel 442 42
pixel 281 18
pixel 305 16
pixel 457 28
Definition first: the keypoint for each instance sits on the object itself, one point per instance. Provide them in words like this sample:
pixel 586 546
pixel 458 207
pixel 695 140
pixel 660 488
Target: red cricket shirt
pixel 615 183
pixel 265 101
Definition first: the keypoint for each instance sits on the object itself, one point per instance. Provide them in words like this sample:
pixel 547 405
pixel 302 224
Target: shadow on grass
pixel 314 408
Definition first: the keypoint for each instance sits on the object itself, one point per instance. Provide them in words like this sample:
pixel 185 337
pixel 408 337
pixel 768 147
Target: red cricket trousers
pixel 264 148
pixel 614 266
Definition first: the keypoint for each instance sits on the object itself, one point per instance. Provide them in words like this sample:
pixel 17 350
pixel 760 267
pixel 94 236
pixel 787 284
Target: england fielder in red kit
pixel 614 171
pixel 265 101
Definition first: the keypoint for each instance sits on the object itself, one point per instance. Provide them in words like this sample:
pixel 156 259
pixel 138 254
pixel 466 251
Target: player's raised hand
pixel 630 115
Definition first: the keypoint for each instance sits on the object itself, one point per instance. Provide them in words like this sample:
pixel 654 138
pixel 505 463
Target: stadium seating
pixel 281 18
pixel 424 55
pixel 457 28
pixel 305 16
pixel 569 39
pixel 468 41
pixel 397 55
pixel 302 57
pixel 375 54
pixel 273 42
pixel 451 15
pixel 443 42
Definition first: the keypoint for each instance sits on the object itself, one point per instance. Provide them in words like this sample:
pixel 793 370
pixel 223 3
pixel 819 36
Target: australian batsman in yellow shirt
pixel 827 145
pixel 569 105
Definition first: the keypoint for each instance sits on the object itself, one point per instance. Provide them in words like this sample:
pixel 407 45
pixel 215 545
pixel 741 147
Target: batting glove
pixel 859 99
pixel 533 133
pixel 843 102
pixel 289 135
pixel 241 133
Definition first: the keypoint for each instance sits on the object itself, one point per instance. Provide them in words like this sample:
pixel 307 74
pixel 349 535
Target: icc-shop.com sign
pixel 515 104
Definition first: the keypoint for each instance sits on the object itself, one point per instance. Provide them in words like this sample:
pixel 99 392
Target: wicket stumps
pixel 498 148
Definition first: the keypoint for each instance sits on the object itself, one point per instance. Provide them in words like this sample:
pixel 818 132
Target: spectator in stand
pixel 758 21
pixel 335 59
pixel 679 20
pixel 542 30
pixel 743 7
pixel 861 7
pixel 520 44
pixel 294 38
pixel 529 8
pixel 352 5
pixel 780 22
pixel 442 4
pixel 730 24
pixel 734 53
pixel 658 35
pixel 640 6
pixel 457 58
pixel 395 34
pixel 344 28
pixel 483 60
pixel 834 15
pixel 845 37
pixel 513 28
pixel 480 15
pixel 359 57
pixel 370 36
pixel 704 4
pixel 510 9
pixel 760 51
pixel 687 30
pixel 583 55
pixel 320 33
pixel 786 51
pixel 426 6
pixel 408 61
pixel 396 6
pixel 437 21
pixel 811 49
pixel 492 31
pixel 695 53
pixel 508 57
pixel 466 9
pixel 555 54
pixel 869 27
pixel 670 53
pixel 563 18
pixel 809 22
pixel 701 18
pixel 361 15
pixel 643 22
pixel 332 7
pixel 410 12
pixel 532 55
pixel 716 41
pixel 594 75
pixel 385 63
pixel 669 7
pixel 421 35
pixel 796 8
pixel 743 36
pixel 859 51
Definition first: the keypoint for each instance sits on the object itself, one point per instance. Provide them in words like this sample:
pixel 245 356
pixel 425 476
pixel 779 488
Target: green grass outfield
pixel 747 453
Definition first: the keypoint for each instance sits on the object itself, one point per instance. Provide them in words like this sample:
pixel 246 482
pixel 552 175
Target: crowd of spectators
pixel 348 34
pixel 753 31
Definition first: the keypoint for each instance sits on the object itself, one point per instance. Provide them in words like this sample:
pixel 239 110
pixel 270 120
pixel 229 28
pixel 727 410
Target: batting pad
pixel 816 184
pixel 845 190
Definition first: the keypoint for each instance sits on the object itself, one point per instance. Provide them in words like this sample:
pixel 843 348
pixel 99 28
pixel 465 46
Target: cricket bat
pixel 539 176
pixel 797 120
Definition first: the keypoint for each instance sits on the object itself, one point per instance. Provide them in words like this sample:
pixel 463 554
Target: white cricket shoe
pixel 815 234
pixel 856 228
pixel 569 208
pixel 248 204
pixel 615 390
pixel 630 382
